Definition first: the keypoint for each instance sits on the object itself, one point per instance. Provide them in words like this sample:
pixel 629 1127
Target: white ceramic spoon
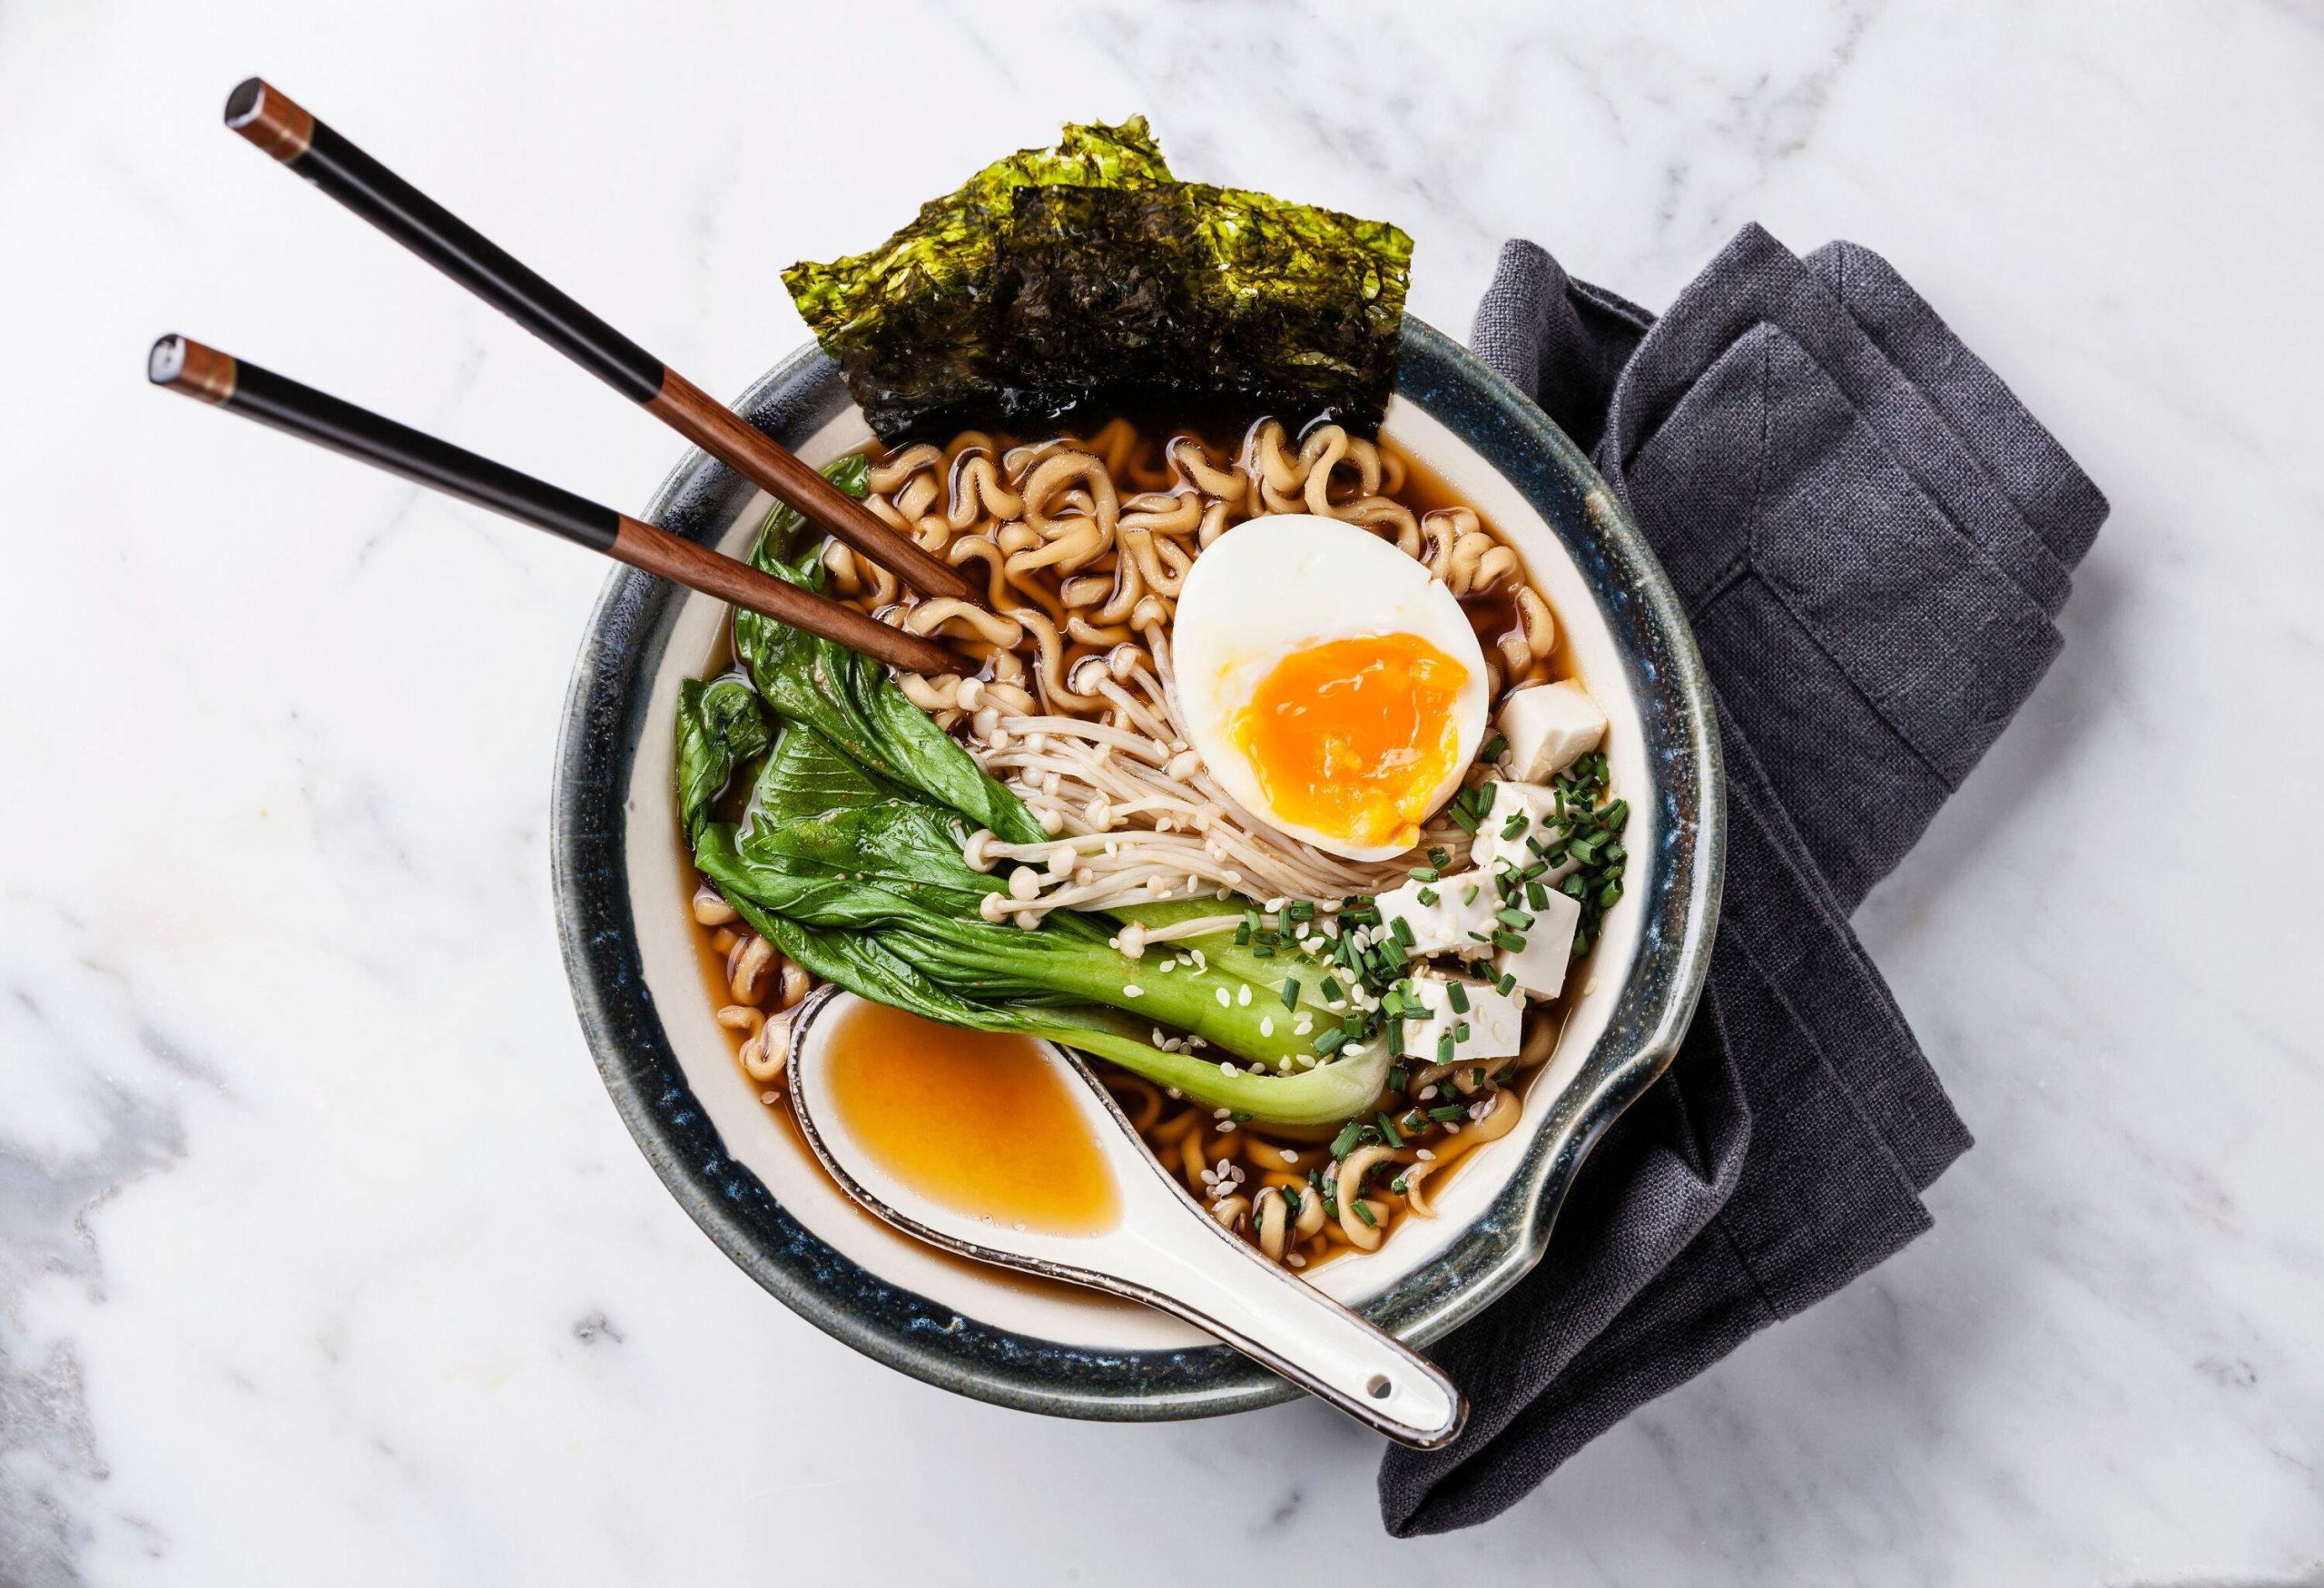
pixel 1164 1250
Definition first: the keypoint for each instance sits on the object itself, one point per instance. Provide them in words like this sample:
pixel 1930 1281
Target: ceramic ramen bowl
pixel 623 879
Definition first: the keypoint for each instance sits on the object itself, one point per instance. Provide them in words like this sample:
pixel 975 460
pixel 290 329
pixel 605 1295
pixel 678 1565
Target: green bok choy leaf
pixel 849 859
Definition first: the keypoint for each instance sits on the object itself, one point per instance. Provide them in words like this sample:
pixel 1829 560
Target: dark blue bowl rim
pixel 623 650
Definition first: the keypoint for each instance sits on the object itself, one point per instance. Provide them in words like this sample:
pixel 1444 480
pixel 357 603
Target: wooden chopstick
pixel 269 119
pixel 203 372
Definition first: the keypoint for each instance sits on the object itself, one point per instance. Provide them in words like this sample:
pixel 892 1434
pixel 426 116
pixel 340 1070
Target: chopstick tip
pixel 244 102
pixel 270 119
pixel 178 363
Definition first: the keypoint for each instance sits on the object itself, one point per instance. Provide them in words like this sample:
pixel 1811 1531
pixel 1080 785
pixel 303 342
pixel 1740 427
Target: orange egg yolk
pixel 1351 736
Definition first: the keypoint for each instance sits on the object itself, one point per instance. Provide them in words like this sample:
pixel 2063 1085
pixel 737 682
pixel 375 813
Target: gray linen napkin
pixel 1871 536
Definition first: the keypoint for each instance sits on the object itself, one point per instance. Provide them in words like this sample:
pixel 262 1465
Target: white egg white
pixel 1281 584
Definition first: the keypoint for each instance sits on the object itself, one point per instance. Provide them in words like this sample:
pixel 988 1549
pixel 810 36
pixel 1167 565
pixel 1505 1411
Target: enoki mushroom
pixel 1084 547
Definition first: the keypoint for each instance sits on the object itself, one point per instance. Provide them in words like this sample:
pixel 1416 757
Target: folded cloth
pixel 1871 536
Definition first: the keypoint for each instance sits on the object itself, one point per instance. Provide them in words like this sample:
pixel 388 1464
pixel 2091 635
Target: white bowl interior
pixel 662 879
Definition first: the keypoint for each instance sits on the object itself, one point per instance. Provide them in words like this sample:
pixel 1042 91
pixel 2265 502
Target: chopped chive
pixel 1388 1129
pixel 1481 937
pixel 1518 821
pixel 1331 990
pixel 1447 1114
pixel 1444 1049
pixel 1290 992
pixel 1461 1033
pixel 1458 997
pixel 1537 896
pixel 1397 1185
pixel 1345 1142
pixel 1440 856
pixel 1477 1076
pixel 1364 1213
pixel 1399 1078
pixel 1516 920
pixel 1301 909
pixel 1506 985
pixel 1507 940
pixel 1395 1039
pixel 1403 931
pixel 1471 896
pixel 1329 1039
pixel 1460 815
pixel 1426 895
pixel 1496 747
pixel 1263 950
pixel 1424 873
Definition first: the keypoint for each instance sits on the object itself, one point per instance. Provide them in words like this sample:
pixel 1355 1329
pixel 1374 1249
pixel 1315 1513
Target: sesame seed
pixel 1289 1156
pixel 1267 1026
pixel 1224 1001
pixel 1243 995
pixel 1132 990
pixel 1425 1156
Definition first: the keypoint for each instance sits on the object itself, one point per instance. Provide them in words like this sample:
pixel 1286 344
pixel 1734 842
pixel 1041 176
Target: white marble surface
pixel 275 740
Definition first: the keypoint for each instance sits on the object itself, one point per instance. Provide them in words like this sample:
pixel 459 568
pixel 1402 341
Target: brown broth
pixel 981 1122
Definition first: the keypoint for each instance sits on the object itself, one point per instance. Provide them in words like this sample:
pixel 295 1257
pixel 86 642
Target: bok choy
pixel 849 858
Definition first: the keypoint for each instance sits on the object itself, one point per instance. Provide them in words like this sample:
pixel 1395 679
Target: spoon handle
pixel 1286 1324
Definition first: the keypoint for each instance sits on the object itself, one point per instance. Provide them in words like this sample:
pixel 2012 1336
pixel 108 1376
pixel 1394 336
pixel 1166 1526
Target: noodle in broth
pixel 1067 696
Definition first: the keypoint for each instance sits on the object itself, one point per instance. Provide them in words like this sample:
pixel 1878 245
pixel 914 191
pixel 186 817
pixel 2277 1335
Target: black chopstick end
pixel 270 118
pixel 181 364
pixel 166 362
pixel 244 102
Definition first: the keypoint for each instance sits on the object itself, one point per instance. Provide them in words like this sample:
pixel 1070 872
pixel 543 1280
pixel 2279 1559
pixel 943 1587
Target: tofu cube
pixel 1442 924
pixel 1496 849
pixel 1494 1021
pixel 1539 966
pixel 1549 728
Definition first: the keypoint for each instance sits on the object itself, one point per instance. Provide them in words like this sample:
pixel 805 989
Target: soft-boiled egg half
pixel 1332 686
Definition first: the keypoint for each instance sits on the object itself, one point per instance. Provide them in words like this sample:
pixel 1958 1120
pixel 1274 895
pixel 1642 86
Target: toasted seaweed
pixel 1229 298
pixel 912 322
pixel 1084 277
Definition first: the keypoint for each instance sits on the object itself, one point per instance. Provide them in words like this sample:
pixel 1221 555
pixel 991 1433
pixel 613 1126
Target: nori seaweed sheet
pixel 912 322
pixel 1085 278
pixel 1226 300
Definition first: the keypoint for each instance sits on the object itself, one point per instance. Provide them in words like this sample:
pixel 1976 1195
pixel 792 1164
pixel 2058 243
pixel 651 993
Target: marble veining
pixel 275 745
